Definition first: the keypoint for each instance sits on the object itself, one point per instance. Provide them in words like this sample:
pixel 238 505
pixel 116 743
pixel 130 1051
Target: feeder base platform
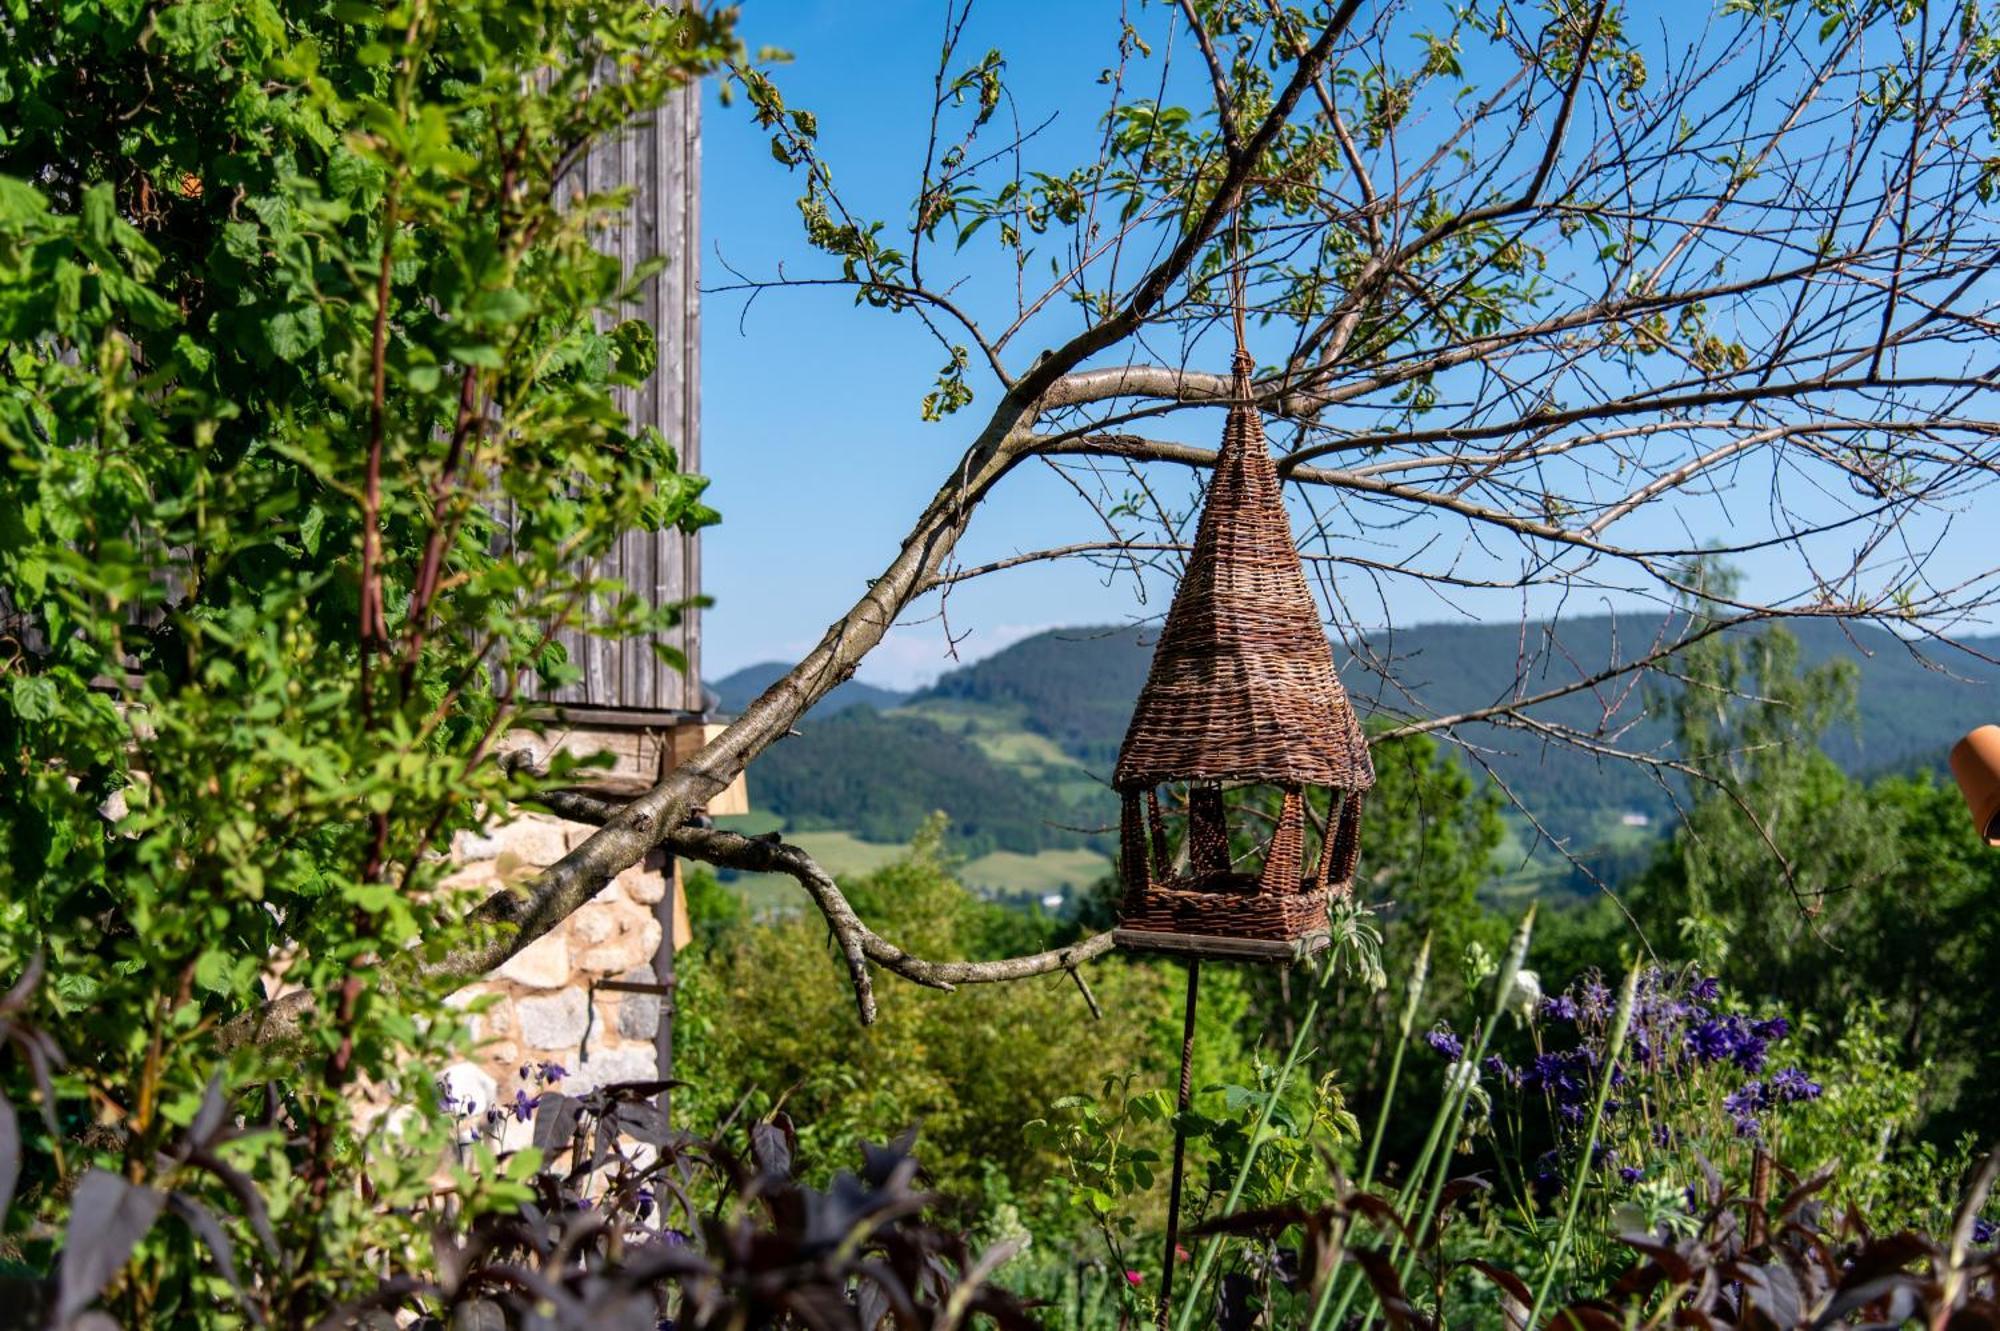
pixel 1221 946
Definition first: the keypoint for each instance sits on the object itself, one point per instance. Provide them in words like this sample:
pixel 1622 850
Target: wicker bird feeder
pixel 1242 691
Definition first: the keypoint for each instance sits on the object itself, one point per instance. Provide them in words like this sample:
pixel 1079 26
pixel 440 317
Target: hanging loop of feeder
pixel 1241 692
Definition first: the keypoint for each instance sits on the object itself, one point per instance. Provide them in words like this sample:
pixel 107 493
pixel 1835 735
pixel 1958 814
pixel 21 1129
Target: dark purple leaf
pixel 1673 1263
pixel 771 1148
pixel 1265 1220
pixel 16 997
pixel 1236 1306
pixel 208 1119
pixel 10 1155
pixel 643 1122
pixel 1590 1316
pixel 478 1315
pixel 555 1122
pixel 210 1231
pixel 1773 1290
pixel 108 1217
pixel 1515 1287
pixel 247 1196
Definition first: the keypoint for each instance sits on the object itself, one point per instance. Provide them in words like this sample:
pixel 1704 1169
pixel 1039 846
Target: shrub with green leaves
pixel 308 442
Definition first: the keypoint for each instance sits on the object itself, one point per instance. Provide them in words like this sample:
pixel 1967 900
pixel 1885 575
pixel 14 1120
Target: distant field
pixel 757 822
pixel 1007 874
pixel 1000 874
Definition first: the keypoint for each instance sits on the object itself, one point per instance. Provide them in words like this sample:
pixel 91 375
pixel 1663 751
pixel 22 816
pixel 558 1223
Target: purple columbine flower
pixel 1791 1085
pixel 1711 1041
pixel 1747 1099
pixel 1445 1043
pixel 1771 1028
pixel 1982 1230
pixel 1595 998
pixel 1560 1008
pixel 524 1106
pixel 1705 990
pixel 1631 1173
pixel 1497 1068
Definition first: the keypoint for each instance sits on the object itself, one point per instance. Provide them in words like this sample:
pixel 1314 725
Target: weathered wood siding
pixel 661 161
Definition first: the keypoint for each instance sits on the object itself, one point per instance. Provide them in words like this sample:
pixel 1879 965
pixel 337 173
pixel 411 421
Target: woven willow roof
pixel 1242 686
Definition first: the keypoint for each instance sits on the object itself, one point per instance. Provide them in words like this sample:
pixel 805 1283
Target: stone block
pixel 481 845
pixel 632 946
pixel 643 885
pixel 608 1066
pixel 555 1021
pixel 639 1014
pixel 542 964
pixel 593 923
pixel 533 840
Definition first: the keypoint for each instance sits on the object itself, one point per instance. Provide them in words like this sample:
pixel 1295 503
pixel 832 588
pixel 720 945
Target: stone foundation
pixel 547 1010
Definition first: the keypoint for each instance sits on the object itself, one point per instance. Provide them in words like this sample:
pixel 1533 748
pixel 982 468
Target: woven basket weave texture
pixel 1242 685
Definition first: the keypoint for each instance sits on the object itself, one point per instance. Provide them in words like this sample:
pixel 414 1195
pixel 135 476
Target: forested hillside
pixel 738 689
pixel 1015 748
pixel 879 776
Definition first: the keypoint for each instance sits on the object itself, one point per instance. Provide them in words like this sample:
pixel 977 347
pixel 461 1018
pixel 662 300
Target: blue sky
pixel 811 429
pixel 810 426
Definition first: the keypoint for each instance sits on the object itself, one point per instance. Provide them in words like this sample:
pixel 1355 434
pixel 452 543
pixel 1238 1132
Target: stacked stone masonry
pixel 546 1010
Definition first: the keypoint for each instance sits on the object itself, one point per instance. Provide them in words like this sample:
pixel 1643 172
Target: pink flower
pixel 1182 1254
pixel 1135 1277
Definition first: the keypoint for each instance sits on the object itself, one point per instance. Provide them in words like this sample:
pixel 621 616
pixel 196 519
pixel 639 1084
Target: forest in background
pixel 1013 750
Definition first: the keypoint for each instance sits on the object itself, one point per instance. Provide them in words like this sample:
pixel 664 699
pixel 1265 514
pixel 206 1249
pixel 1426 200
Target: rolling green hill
pixel 1016 748
pixel 737 690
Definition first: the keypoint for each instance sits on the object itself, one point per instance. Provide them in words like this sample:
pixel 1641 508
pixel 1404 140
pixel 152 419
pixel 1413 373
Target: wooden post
pixel 663 975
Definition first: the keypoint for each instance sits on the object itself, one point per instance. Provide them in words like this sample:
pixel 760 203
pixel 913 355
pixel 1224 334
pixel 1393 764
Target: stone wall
pixel 546 1011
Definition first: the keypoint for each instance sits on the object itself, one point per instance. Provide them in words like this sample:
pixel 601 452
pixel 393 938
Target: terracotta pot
pixel 1975 761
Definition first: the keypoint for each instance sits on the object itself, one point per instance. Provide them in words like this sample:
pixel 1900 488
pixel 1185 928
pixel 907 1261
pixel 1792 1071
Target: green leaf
pixel 310 527
pixel 36 697
pixel 292 333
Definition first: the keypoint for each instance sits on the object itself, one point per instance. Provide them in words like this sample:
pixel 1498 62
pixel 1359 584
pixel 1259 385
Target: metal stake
pixel 1180 1144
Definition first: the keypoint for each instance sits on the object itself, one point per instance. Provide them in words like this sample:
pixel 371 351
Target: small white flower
pixel 1526 997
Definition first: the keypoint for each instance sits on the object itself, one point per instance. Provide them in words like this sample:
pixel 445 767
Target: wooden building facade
pixel 624 682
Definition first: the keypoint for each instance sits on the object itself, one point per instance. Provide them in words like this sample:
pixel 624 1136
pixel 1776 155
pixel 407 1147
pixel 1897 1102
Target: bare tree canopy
pixel 1529 285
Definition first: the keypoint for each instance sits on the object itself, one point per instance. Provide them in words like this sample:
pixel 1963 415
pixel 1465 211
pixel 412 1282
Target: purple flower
pixel 1560 1008
pixel 1631 1173
pixel 1496 1068
pixel 1705 990
pixel 1711 1041
pixel 1791 1085
pixel 524 1106
pixel 1595 997
pixel 1562 1076
pixel 1749 1054
pixel 1771 1028
pixel 1748 1099
pixel 1445 1043
pixel 1982 1230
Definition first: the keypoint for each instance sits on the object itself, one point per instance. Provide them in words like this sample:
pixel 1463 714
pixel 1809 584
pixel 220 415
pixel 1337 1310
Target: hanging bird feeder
pixel 1242 692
